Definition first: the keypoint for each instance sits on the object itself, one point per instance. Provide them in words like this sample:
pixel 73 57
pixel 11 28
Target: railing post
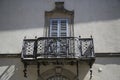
pixel 93 53
pixel 23 47
pixel 80 47
pixel 35 49
pixel 92 48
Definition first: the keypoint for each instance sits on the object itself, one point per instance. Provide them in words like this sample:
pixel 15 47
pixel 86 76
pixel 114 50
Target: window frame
pixel 59 26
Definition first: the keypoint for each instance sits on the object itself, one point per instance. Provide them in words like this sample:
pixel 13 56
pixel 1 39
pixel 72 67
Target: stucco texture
pixel 103 69
pixel 99 18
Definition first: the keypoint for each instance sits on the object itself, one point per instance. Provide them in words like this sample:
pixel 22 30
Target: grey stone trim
pixel 107 54
pixel 18 55
pixel 15 55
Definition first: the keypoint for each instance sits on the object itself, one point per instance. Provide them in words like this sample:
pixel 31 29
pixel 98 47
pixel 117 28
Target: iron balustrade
pixel 58 47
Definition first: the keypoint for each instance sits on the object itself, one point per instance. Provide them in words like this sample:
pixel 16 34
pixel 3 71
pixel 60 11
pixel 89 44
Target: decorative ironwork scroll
pixel 58 47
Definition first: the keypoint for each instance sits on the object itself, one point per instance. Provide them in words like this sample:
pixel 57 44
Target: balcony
pixel 57 51
pixel 58 47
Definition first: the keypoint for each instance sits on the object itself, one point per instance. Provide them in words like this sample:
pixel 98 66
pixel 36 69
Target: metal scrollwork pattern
pixel 53 47
pixel 86 48
pixel 28 48
pixel 58 47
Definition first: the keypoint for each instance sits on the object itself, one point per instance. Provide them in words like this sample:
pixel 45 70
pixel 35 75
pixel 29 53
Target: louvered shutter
pixel 63 28
pixel 58 28
pixel 53 28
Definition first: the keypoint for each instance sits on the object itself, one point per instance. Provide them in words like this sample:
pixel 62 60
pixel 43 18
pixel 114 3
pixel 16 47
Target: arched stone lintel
pixel 51 72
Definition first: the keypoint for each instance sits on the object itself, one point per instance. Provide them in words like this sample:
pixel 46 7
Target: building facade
pixel 59 39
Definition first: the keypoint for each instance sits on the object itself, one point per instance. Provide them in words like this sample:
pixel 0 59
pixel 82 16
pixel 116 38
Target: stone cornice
pixel 18 55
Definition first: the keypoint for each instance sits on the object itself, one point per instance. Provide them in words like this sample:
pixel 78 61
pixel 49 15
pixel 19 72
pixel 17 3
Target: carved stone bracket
pixel 25 70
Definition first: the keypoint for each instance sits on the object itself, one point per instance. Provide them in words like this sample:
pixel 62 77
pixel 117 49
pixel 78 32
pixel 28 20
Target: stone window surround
pixel 59 12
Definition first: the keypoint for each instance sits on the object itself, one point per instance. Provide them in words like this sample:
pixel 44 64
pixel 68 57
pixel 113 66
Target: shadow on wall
pixel 25 14
pixel 109 60
pixel 12 69
pixel 6 72
pixel 97 10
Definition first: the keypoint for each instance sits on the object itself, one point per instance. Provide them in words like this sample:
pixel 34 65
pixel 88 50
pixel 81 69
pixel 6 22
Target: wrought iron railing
pixel 58 47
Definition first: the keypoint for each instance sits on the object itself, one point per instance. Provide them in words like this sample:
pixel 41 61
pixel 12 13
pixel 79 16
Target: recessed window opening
pixel 59 28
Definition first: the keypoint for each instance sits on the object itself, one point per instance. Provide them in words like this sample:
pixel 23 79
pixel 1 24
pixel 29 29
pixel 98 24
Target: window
pixel 59 22
pixel 58 28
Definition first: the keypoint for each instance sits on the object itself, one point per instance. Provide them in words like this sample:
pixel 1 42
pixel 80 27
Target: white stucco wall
pixel 12 69
pixel 110 69
pixel 100 18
